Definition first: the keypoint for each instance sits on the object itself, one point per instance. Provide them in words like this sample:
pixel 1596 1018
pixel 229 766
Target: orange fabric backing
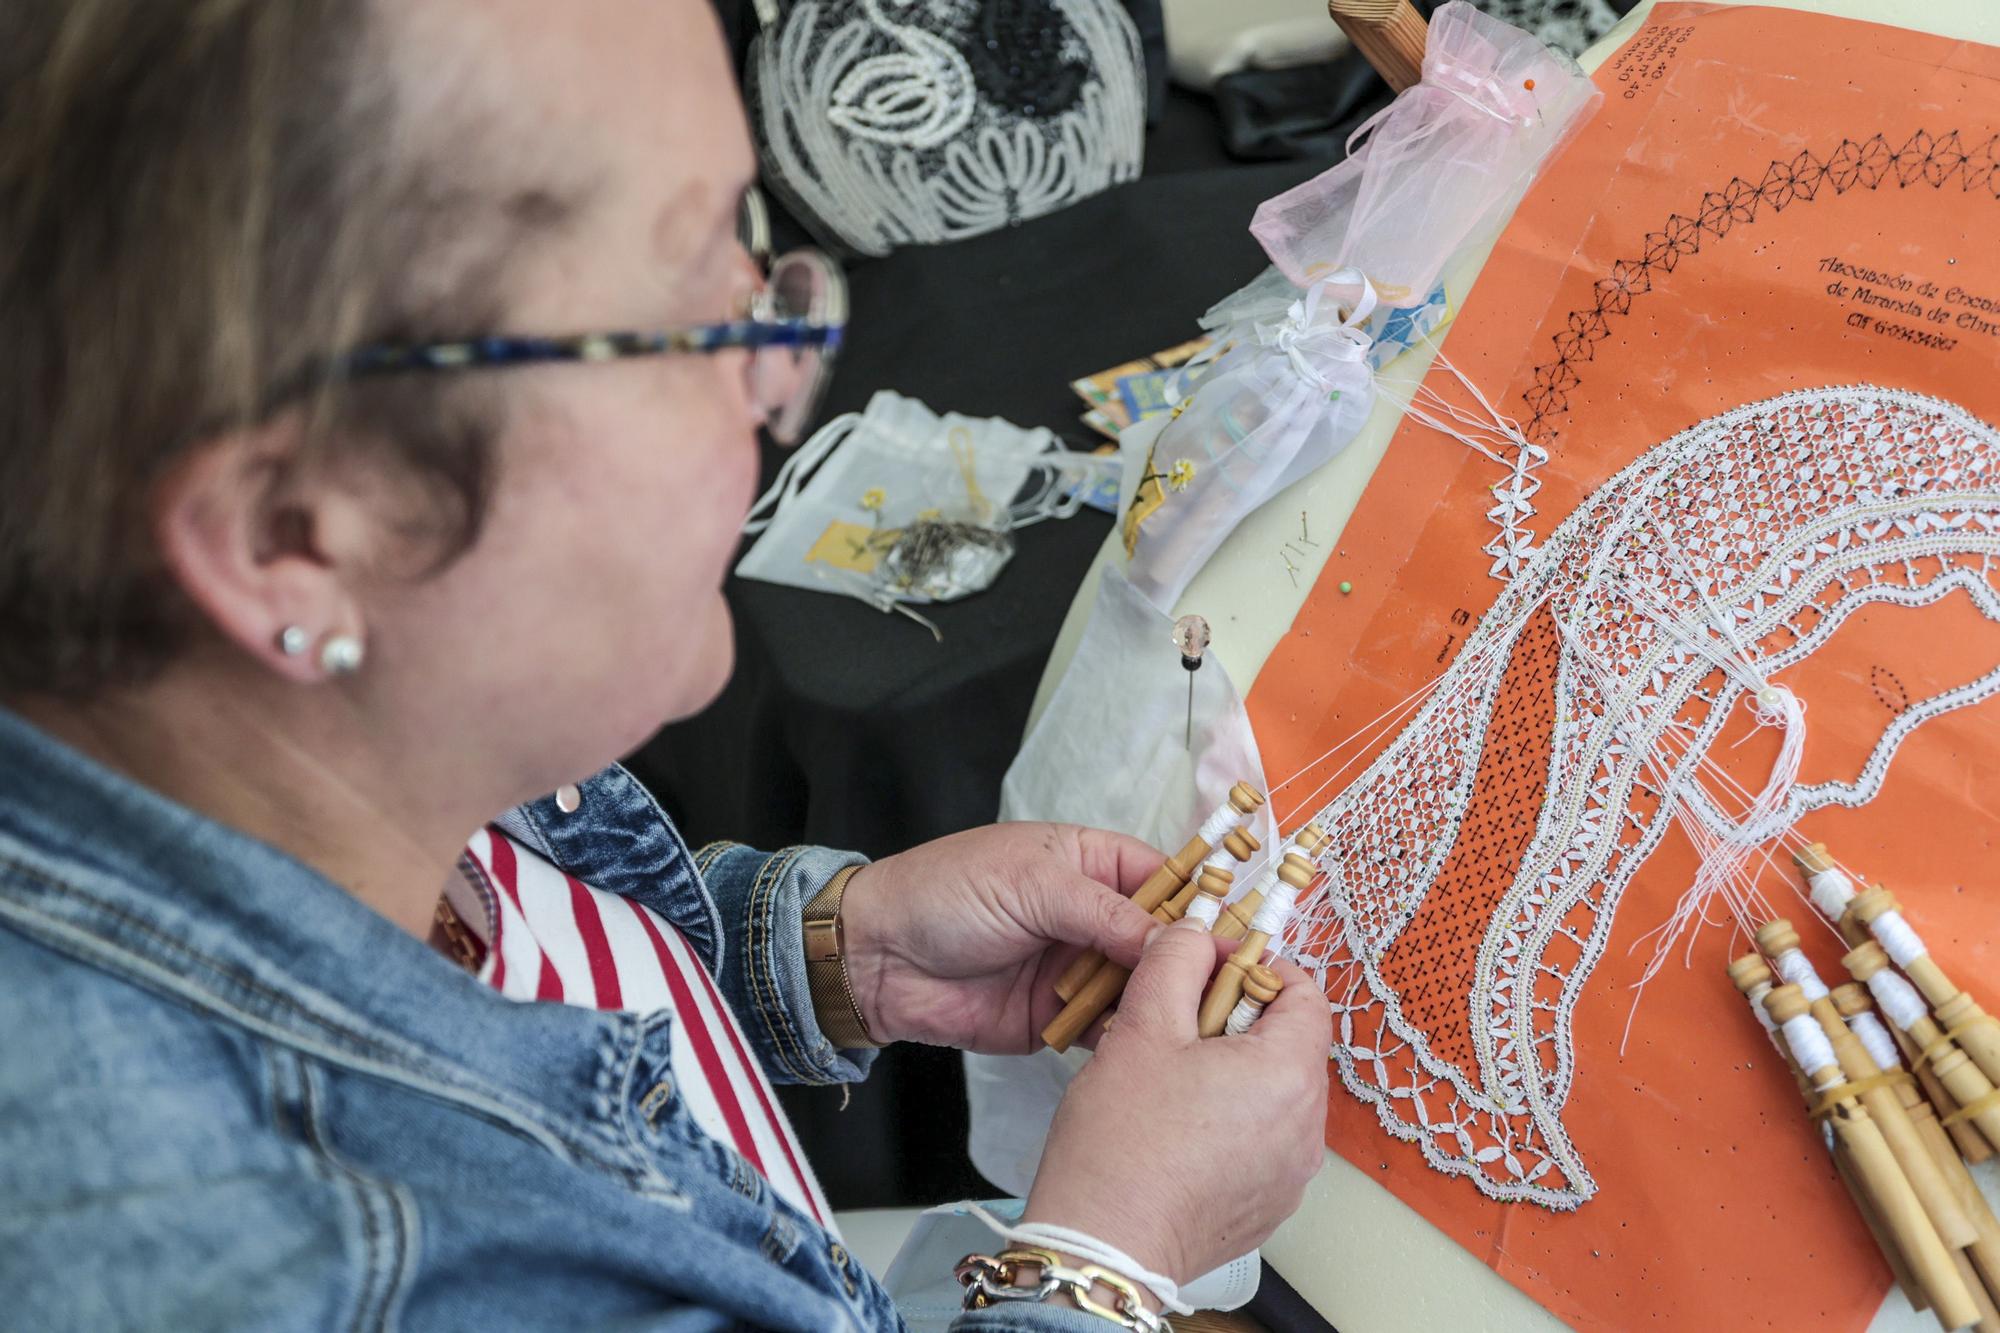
pixel 1689 196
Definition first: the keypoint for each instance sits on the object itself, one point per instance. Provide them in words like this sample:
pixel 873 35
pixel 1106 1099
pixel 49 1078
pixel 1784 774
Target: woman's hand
pixel 1180 1151
pixel 958 942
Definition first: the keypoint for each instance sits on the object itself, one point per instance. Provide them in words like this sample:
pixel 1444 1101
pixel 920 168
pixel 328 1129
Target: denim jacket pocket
pixel 378 1219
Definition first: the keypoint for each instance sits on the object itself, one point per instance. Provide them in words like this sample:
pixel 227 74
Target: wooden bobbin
pixel 1246 798
pixel 1885 1107
pixel 1875 1167
pixel 1213 882
pixel 1970 1025
pixel 1390 34
pixel 1963 1082
pixel 1983 1254
pixel 1966 1133
pixel 1297 871
pixel 1237 916
pixel 1892 1253
pixel 1815 859
pixel 1850 1001
pixel 1107 983
pixel 1241 845
pixel 1260 986
pixel 1162 884
pixel 1752 977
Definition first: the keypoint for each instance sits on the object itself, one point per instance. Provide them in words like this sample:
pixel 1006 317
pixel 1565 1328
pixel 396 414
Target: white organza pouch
pixel 1449 158
pixel 1282 400
pixel 898 506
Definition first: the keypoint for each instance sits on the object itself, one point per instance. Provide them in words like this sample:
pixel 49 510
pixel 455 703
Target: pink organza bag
pixel 1449 156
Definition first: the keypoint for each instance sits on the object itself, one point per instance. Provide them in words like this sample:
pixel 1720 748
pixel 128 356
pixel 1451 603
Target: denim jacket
pixel 233 1096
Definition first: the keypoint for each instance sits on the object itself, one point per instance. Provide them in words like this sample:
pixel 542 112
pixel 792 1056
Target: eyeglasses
pixel 792 330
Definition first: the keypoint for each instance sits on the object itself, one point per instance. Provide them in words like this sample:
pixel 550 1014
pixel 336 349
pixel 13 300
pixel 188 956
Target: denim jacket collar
pixel 183 905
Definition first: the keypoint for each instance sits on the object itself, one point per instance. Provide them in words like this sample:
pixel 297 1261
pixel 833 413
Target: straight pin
pixel 1191 637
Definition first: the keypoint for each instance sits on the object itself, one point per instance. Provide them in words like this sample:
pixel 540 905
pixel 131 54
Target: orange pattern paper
pixel 1767 202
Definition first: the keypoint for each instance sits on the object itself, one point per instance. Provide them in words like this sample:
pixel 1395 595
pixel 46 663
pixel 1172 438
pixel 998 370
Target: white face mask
pixel 897 505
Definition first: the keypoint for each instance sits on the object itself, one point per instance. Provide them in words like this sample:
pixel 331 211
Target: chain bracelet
pixel 987 1280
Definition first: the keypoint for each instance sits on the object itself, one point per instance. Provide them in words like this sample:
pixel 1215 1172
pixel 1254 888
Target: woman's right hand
pixel 1181 1151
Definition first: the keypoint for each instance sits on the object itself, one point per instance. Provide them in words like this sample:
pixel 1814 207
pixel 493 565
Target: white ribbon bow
pixel 1309 342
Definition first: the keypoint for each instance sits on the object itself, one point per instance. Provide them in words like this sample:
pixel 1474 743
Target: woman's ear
pixel 267 548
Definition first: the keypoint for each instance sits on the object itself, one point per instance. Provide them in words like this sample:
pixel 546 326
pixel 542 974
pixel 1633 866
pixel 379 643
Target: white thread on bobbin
pixel 1897 938
pixel 1898 998
pixel 1275 912
pixel 1831 893
pixel 1764 1019
pixel 1217 826
pixel 1204 909
pixel 1796 968
pixel 1219 859
pixel 1810 1047
pixel 1246 1012
pixel 1881 1046
pixel 1266 884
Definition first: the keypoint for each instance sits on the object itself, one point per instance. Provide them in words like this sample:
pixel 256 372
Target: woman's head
pixel 199 199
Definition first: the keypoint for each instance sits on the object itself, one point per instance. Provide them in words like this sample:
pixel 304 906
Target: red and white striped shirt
pixel 549 936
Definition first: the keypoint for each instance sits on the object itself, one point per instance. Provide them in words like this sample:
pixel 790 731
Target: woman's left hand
pixel 959 942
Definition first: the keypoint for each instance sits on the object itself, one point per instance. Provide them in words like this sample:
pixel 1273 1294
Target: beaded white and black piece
pixel 886 123
pixel 1567 25
pixel 1473 870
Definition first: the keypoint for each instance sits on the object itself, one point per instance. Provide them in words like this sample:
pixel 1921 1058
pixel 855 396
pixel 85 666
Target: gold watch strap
pixel 826 967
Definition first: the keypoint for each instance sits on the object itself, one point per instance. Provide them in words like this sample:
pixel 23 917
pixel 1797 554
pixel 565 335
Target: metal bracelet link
pixel 987 1279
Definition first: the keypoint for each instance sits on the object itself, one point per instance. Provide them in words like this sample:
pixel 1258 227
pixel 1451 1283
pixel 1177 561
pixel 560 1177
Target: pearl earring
pixel 293 640
pixel 340 655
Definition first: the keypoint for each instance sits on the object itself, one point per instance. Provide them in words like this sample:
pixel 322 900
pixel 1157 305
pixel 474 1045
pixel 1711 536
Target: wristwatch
pixel 826 967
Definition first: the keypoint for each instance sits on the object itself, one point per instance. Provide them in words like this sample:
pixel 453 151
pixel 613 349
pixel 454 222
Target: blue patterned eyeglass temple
pixel 794 328
pixel 389 358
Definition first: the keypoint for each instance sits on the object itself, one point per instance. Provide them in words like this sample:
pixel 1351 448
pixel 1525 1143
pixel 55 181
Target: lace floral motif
pixel 888 123
pixel 1473 870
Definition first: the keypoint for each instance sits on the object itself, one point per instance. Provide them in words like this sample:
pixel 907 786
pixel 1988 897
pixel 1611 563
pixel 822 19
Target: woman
pixel 292 596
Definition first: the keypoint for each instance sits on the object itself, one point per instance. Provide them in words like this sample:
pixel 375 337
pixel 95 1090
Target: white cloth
pixel 864 475
pixel 1206 41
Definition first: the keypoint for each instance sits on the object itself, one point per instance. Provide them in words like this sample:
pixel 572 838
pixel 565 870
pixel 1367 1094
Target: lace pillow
pixel 897 122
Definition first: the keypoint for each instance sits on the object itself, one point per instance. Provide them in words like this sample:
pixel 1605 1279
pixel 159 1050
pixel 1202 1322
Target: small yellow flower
pixel 1180 474
pixel 873 498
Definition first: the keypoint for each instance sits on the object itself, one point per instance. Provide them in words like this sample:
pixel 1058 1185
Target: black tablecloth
pixel 847 727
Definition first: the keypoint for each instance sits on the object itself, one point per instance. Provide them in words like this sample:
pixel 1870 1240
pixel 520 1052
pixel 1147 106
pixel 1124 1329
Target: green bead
pixel 1345 586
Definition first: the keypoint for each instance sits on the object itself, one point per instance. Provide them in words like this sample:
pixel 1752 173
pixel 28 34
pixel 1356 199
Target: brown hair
pixel 198 198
